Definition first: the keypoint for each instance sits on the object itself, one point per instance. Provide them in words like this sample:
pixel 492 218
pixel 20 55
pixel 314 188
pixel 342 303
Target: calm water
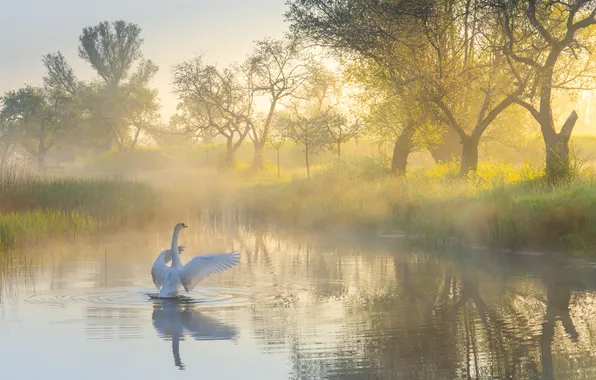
pixel 296 307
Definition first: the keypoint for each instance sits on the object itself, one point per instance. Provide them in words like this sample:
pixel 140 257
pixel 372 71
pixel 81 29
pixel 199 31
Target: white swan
pixel 169 279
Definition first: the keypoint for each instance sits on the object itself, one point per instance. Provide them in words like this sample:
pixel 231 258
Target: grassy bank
pixel 37 207
pixel 502 205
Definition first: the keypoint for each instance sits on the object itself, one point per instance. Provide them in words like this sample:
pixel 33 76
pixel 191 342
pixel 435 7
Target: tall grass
pixel 502 205
pixel 34 207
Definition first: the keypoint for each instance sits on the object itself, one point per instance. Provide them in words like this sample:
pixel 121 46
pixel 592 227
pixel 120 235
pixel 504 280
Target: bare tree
pixel 274 71
pixel 211 99
pixel 341 129
pixel 308 131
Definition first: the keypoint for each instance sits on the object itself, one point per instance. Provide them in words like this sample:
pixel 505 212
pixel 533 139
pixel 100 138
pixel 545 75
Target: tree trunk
pixel 469 155
pixel 230 152
pixel 399 159
pixel 136 138
pixel 206 137
pixel 558 164
pixel 449 149
pixel 307 163
pixel 557 157
pixel 41 160
pixel 338 150
pixel 278 171
pixel 401 151
pixel 109 140
pixel 257 162
pixel 41 149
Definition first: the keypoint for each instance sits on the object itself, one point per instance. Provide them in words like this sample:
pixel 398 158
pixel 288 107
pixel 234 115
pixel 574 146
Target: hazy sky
pixel 173 31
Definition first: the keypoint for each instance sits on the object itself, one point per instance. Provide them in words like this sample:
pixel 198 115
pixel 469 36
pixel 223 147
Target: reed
pixel 34 207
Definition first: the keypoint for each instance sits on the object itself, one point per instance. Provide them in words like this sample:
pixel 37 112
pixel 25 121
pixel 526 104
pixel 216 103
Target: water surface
pixel 296 307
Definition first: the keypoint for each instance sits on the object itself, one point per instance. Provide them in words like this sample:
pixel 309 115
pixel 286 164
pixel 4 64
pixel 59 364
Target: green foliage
pixel 111 49
pixel 38 118
pixel 501 205
pixel 36 207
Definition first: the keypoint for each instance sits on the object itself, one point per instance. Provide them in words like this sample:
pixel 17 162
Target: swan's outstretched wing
pixel 201 267
pixel 158 271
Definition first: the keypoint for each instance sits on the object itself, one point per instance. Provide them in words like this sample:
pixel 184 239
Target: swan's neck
pixel 176 263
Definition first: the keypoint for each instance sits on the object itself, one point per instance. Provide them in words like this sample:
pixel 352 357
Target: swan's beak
pixel 184 225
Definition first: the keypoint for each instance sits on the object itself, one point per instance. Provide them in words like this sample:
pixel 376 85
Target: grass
pixel 37 207
pixel 502 205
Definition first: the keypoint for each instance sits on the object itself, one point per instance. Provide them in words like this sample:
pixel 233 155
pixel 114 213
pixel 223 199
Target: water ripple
pixel 137 297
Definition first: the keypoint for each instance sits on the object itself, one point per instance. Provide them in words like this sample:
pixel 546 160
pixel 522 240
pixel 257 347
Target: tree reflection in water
pixel 348 307
pixel 403 314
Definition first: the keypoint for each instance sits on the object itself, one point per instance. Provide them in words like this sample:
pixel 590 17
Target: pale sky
pixel 173 31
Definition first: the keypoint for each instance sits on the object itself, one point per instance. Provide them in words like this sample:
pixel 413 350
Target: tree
pixel 323 92
pixel 275 71
pixel 405 125
pixel 341 129
pixel 111 50
pixel 212 100
pixel 394 116
pixel 60 75
pixel 277 140
pixel 40 118
pixel 546 44
pixel 140 102
pixel 308 131
pixel 9 137
pixel 436 50
pixel 354 30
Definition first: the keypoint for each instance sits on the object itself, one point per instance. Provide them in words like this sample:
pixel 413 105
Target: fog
pixel 408 185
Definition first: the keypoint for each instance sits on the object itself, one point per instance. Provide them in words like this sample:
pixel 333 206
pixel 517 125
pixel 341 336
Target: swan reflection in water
pixel 176 318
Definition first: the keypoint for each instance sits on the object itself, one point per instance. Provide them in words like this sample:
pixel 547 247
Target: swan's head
pixel 180 226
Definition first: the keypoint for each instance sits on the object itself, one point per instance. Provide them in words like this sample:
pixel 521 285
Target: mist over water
pixel 299 307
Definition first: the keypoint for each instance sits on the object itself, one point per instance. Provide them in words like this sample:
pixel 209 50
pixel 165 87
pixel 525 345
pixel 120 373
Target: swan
pixel 169 279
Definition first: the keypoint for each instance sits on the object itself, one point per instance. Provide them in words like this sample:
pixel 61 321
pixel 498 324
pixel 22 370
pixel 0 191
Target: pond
pixel 296 307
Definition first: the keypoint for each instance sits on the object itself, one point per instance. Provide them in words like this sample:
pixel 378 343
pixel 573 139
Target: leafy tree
pixel 546 44
pixel 9 138
pixel 410 130
pixel 112 50
pixel 435 50
pixel 60 75
pixel 394 116
pixel 38 117
pixel 140 102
